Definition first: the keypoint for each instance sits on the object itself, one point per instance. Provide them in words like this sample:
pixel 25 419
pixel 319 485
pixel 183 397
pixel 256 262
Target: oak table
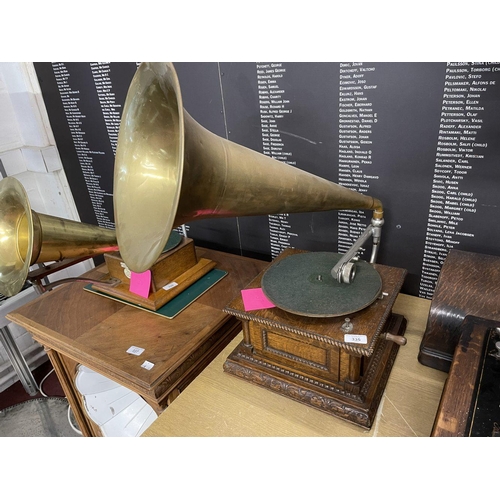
pixel 77 327
pixel 219 404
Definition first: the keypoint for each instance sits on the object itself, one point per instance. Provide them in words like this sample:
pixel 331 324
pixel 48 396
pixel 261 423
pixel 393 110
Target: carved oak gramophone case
pixel 340 364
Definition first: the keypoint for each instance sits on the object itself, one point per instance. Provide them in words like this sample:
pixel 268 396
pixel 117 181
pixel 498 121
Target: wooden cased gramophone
pixel 331 339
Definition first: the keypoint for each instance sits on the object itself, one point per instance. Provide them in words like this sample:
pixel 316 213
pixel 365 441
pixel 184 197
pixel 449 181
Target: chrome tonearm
pixel 345 269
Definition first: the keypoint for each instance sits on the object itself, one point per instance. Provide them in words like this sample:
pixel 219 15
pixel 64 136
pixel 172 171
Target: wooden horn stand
pixel 179 265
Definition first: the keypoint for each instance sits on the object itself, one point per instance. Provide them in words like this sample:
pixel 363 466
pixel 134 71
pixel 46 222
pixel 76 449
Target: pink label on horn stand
pixel 140 283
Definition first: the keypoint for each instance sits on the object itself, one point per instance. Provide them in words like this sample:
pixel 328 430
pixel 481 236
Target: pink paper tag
pixel 140 283
pixel 254 298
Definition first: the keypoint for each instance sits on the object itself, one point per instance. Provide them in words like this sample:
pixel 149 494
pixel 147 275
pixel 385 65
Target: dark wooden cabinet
pixel 469 405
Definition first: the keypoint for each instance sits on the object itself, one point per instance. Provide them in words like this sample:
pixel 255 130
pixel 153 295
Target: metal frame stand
pixel 18 362
pixel 6 338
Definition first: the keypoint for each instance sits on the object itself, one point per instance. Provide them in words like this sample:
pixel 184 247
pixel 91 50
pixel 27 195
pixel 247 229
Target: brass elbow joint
pixel 378 209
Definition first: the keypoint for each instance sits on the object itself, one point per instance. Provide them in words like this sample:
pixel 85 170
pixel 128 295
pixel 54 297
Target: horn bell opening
pixel 148 165
pixel 16 236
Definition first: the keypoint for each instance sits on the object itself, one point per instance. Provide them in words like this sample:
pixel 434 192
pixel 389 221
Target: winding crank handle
pixel 397 339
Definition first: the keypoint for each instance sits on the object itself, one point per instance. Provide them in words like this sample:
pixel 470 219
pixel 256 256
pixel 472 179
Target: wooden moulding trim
pixel 308 397
pixel 279 326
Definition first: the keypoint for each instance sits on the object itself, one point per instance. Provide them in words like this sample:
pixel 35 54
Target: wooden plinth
pixel 179 267
pixel 357 403
pixel 307 359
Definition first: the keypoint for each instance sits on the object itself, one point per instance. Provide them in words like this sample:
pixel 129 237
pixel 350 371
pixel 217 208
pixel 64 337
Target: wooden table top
pixel 97 331
pixel 218 404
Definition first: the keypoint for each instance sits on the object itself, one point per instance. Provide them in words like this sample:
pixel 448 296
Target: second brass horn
pixel 27 237
pixel 170 170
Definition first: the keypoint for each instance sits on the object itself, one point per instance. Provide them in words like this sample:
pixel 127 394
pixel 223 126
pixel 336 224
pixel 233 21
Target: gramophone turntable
pixel 331 339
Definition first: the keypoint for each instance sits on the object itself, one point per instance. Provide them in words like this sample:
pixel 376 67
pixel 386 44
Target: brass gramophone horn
pixel 170 170
pixel 27 238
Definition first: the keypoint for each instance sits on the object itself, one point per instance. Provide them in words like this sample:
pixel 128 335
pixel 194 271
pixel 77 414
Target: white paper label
pixel 137 351
pixel 170 285
pixel 147 364
pixel 355 339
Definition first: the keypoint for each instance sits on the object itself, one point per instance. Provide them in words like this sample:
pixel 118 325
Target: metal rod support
pixel 18 361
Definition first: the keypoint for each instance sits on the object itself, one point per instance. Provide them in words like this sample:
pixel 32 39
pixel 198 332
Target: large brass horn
pixel 27 237
pixel 170 170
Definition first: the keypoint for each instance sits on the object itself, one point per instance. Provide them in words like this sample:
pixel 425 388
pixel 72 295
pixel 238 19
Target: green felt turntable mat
pixel 181 301
pixel 173 240
pixel 302 284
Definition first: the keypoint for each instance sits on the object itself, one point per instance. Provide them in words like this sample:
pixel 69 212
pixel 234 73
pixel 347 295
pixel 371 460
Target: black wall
pixel 422 137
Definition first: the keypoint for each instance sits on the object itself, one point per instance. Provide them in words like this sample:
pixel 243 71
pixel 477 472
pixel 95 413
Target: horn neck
pixel 170 170
pixel 230 180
